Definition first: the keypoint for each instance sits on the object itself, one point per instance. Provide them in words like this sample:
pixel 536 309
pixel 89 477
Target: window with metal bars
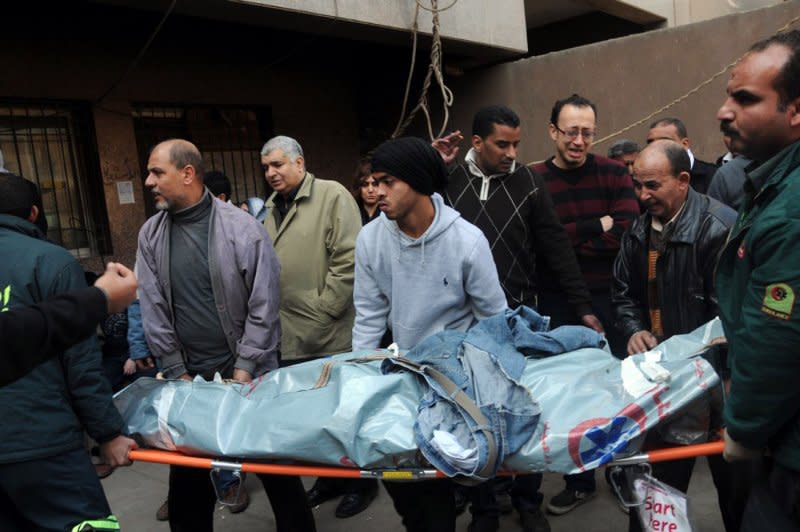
pixel 53 145
pixel 229 137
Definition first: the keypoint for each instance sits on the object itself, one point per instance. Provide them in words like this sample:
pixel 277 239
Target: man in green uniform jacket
pixel 758 279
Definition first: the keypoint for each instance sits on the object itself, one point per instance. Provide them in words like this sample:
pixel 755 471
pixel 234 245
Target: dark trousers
pixel 774 501
pixel 581 482
pixel 359 485
pixel 424 506
pixel 192 499
pixel 54 493
pixel 524 490
pixel 345 486
pixel 731 480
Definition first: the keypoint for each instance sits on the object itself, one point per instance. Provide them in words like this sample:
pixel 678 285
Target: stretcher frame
pixel 308 470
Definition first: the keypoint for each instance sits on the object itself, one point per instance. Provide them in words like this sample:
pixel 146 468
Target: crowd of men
pixel 220 292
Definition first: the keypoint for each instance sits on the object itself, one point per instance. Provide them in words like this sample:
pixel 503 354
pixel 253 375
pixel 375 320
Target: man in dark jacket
pixel 674 129
pixel 664 285
pixel 663 274
pixel 46 478
pixel 38 332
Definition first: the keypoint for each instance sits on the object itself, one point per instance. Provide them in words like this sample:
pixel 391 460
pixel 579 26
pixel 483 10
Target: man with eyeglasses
pixel 595 201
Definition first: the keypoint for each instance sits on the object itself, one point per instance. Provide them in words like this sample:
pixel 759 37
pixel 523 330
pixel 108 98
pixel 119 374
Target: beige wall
pixel 495 23
pixel 627 78
pixel 669 12
pixel 680 12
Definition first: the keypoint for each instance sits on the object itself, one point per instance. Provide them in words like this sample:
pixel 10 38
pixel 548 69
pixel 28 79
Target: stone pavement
pixel 136 492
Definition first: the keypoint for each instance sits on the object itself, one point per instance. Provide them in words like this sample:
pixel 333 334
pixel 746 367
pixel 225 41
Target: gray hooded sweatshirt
pixel 444 280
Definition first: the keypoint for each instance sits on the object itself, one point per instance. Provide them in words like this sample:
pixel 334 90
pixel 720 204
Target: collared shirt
pixel 662 228
pixel 472 163
pixel 660 233
pixel 284 203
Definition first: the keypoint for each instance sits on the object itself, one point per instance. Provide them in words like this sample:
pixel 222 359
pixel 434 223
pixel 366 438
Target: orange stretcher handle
pixel 179 459
pixel 685 451
pixel 169 457
pixel 302 471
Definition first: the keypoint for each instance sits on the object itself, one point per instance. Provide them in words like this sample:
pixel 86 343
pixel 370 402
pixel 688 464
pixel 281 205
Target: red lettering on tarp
pixel 251 386
pixel 699 373
pixel 545 447
pixel 662 406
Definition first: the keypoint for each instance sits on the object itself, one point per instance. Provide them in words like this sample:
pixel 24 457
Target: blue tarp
pixel 343 411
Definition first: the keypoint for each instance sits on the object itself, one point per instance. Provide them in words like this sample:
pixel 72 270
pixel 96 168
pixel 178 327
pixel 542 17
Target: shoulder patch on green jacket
pixel 778 301
pixel 5 297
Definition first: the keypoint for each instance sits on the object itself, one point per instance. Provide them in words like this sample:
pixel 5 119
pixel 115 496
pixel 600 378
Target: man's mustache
pixel 728 130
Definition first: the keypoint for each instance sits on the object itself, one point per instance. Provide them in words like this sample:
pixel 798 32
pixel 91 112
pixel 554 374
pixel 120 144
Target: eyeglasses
pixel 572 134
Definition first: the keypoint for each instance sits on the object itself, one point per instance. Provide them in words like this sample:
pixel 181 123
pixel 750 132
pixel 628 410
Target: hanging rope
pixel 434 72
pixel 691 92
pixel 433 10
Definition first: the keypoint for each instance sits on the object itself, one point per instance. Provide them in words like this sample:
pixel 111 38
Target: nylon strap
pixel 465 402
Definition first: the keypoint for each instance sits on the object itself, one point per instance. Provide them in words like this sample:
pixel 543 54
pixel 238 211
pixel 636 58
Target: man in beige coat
pixel 313 224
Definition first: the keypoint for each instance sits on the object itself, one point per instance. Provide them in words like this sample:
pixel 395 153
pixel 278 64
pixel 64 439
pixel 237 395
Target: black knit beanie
pixel 412 160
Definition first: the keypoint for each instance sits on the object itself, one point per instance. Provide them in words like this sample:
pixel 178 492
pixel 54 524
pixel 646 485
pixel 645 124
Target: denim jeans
pixel 486 363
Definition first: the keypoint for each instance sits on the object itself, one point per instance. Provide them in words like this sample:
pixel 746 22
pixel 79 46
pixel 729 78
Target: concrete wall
pixel 679 12
pixel 496 24
pixel 627 78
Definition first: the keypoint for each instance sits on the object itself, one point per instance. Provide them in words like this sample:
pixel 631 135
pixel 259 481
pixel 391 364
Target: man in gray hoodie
pixel 420 269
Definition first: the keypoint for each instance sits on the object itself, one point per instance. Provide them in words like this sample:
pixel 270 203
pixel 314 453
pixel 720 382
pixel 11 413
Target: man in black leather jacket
pixel 663 285
pixel 663 274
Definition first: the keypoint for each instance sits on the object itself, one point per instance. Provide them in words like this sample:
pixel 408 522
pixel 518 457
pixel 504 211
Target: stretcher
pixel 180 459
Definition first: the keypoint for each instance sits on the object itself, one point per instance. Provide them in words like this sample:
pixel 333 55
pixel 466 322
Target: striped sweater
pixel 581 197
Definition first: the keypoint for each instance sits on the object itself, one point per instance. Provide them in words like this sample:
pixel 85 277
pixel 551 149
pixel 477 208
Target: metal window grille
pixel 49 144
pixel 230 139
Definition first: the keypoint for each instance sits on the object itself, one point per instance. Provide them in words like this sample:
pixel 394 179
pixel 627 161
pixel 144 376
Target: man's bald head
pixel 183 153
pixel 661 178
pixel 175 174
pixel 672 151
